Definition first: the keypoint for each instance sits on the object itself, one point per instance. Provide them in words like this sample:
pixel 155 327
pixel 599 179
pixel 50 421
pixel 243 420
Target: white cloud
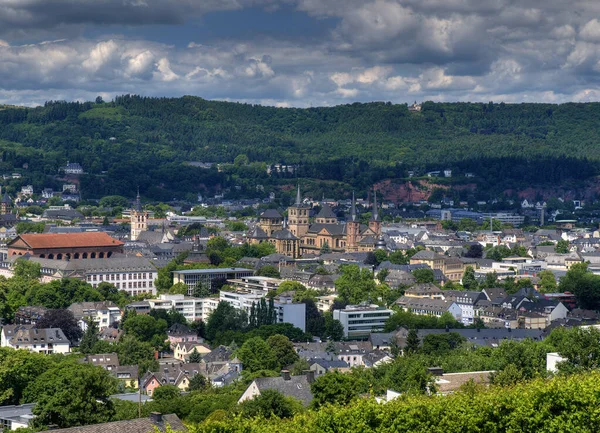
pixel 591 31
pixel 166 73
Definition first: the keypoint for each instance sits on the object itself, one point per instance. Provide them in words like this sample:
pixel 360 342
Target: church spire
pixel 138 201
pixel 375 213
pixel 298 197
pixel 353 209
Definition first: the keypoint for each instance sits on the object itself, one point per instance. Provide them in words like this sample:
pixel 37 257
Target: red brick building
pixel 65 246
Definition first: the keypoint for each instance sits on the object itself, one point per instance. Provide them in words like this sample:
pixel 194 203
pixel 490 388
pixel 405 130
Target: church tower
pixel 375 222
pixel 139 219
pixel 5 204
pixel 352 228
pixel 298 217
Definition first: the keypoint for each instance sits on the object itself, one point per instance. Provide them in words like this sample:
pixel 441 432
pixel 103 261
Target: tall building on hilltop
pixel 326 232
pixel 139 219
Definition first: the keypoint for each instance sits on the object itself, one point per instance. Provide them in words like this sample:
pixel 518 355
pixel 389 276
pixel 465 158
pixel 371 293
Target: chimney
pixel 156 417
pixel 285 374
pixel 310 375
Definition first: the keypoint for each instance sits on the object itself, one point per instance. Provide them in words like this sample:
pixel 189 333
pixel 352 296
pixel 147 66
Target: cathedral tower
pixel 298 217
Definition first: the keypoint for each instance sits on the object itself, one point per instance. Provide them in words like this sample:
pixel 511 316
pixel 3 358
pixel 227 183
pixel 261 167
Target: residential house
pixel 105 314
pixel 179 333
pixel 297 387
pixel 49 340
pixel 178 375
pixel 182 350
pixel 430 307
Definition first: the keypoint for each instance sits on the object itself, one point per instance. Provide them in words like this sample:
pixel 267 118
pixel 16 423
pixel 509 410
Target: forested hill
pixel 143 141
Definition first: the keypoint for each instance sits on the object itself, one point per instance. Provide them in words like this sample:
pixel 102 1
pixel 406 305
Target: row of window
pixel 130 285
pixel 117 277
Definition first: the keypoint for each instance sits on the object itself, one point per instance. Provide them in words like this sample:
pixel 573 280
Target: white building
pixel 191 308
pixel 209 277
pixel 27 190
pixel 50 340
pixel 73 168
pixel 261 284
pixel 105 313
pixel 361 320
pixel 287 310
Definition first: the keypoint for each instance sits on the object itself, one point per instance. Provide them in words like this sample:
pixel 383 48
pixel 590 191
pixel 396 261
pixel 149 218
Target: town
pixel 288 303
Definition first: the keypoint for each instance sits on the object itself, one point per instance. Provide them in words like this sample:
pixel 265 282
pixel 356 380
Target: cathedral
pixel 297 236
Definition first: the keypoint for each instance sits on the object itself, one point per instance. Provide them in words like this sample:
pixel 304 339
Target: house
pixel 179 333
pixel 425 290
pixel 49 340
pixel 297 387
pixel 105 313
pixel 73 168
pixel 182 350
pixel 430 307
pixel 322 366
pixel 170 374
pixel 27 190
pixel 156 422
pixel 29 315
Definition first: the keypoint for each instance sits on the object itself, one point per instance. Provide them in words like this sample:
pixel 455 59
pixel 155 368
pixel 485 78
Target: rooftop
pixel 67 240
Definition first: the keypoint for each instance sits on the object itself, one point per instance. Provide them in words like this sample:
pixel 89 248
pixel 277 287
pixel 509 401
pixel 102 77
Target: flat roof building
pixel 361 320
pixel 212 279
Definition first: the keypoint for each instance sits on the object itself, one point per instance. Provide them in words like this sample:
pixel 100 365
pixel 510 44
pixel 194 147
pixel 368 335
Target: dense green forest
pixel 147 141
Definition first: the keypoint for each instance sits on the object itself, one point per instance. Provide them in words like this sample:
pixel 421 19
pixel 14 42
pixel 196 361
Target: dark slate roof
pixel 328 364
pixel 179 329
pixel 257 233
pixel 6 199
pixel 334 229
pixel 367 240
pixel 139 425
pixel 326 212
pixel 65 214
pixel 297 387
pixel 219 354
pixel 270 213
pixel 284 234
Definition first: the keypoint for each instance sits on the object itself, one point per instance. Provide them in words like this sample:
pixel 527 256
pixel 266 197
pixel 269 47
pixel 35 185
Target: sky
pixel 301 53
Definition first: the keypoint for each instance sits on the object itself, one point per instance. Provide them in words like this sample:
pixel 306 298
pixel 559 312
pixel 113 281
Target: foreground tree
pixel 72 394
pixel 64 320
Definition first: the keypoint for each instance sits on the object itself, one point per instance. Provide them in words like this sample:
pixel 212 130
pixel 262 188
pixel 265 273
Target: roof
pixel 426 255
pixel 284 234
pixel 213 271
pixel 297 387
pixel 270 213
pixel 334 229
pixel 67 240
pixel 326 212
pixel 139 425
pixel 19 335
pixel 257 233
pixel 450 382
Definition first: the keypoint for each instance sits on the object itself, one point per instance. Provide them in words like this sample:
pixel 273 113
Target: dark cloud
pixel 398 50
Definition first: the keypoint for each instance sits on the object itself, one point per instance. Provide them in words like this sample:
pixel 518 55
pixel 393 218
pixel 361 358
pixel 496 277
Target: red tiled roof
pixel 69 240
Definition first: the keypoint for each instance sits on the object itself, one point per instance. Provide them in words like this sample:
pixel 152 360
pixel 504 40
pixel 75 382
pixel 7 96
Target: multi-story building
pixel 191 308
pixel 73 168
pixel 256 283
pixel 452 268
pixel 361 320
pixel 49 340
pixel 104 313
pixel 211 278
